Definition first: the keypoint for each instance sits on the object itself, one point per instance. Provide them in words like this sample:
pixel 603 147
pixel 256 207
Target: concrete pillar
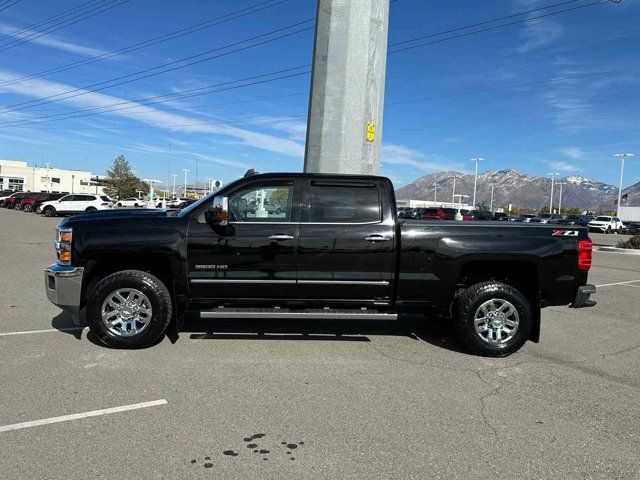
pixel 344 130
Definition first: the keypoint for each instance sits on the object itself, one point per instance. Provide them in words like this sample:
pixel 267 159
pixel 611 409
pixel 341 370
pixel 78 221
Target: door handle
pixel 281 236
pixel 377 238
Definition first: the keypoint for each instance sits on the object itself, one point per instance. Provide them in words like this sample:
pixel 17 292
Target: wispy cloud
pixel 539 32
pixel 572 152
pixel 394 154
pixel 151 116
pixel 561 166
pixel 50 41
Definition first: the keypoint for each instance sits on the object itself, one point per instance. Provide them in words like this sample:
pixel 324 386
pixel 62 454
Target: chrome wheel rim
pixel 496 321
pixel 126 312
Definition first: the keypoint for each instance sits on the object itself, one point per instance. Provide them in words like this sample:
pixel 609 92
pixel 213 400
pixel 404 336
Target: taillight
pixel 585 250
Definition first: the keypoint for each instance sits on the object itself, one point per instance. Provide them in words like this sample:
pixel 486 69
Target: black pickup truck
pixel 313 246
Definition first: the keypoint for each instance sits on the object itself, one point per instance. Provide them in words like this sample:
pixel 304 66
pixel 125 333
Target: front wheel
pixel 129 309
pixel 50 212
pixel 493 319
pixel 28 207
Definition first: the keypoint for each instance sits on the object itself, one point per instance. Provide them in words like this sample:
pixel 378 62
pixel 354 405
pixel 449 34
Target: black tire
pixel 151 287
pixel 119 204
pixel 49 211
pixel 28 208
pixel 469 303
pixel 91 209
pixel 136 205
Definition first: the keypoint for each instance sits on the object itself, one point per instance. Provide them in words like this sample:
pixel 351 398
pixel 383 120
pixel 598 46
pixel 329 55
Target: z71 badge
pixel 565 233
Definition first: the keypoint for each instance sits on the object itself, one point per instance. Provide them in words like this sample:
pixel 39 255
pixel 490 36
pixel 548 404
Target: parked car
pixel 38 201
pixel 547 218
pixel 481 215
pixel 10 201
pixel 414 213
pixel 186 202
pixel 524 217
pixel 582 220
pixel 632 228
pixel 500 217
pixel 131 202
pixel 5 193
pixel 606 224
pixel 18 204
pixel 338 252
pixel 76 203
pixel 444 214
pixel 176 202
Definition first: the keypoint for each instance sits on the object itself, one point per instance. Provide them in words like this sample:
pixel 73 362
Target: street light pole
pixel 475 180
pixel 435 193
pixel 453 196
pixel 560 199
pixel 553 181
pixel 622 157
pixel 185 180
pixel 173 193
pixel 491 203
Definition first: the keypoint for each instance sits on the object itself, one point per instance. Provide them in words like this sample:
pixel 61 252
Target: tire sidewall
pixel 154 290
pixel 49 211
pixel 504 292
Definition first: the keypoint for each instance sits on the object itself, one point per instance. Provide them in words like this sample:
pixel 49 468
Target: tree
pixel 122 182
pixel 574 211
pixel 483 206
pixel 279 197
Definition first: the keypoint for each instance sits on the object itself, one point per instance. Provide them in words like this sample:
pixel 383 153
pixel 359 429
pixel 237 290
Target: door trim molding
pixel 232 280
pixel 382 283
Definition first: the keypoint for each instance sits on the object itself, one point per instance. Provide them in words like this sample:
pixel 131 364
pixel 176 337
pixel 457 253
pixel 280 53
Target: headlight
pixel 64 237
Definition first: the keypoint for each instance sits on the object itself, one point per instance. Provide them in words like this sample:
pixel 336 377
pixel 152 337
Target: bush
pixel 632 243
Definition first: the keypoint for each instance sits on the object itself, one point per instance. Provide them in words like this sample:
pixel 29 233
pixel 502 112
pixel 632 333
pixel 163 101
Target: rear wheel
pixel 91 209
pixel 50 211
pixel 136 205
pixel 28 207
pixel 129 309
pixel 493 319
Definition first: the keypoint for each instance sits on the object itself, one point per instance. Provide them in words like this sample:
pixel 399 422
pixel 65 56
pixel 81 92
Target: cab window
pixel 262 203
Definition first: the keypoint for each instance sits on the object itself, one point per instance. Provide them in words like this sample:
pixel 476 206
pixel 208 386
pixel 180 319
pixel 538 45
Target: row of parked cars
pixel 600 223
pixel 54 204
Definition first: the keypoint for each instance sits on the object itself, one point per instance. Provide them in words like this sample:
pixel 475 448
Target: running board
pixel 309 314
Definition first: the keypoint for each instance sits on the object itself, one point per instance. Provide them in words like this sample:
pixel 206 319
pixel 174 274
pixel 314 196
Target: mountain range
pixel 520 190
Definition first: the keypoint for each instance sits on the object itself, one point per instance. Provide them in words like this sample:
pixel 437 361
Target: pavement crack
pixel 483 406
pixel 625 350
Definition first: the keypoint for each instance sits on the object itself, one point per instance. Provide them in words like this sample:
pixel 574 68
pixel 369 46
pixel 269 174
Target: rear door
pixel 347 241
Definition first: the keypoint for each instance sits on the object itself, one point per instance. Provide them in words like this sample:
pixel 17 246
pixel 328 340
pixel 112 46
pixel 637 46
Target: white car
pixel 76 203
pixel 176 202
pixel 131 202
pixel 606 224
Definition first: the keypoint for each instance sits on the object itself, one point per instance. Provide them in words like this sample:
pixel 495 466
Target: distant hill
pixel 520 189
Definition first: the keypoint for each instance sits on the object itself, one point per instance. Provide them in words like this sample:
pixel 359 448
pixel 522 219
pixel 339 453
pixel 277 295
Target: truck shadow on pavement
pixel 64 323
pixel 432 330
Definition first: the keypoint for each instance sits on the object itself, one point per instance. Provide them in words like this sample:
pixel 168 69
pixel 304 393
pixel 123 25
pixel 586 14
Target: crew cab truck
pixel 334 249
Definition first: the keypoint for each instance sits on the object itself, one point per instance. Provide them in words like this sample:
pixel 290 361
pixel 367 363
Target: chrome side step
pixel 308 314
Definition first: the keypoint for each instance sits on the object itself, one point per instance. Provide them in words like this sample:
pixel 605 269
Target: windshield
pixel 545 215
pixel 603 219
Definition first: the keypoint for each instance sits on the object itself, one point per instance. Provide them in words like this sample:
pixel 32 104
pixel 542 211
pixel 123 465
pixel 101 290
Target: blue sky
pixel 572 126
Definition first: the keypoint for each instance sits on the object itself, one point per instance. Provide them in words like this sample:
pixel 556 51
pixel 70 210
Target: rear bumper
pixel 582 297
pixel 64 286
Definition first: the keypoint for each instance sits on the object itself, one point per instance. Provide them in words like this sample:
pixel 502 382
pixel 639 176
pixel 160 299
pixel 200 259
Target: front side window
pixel 262 203
pixel 343 204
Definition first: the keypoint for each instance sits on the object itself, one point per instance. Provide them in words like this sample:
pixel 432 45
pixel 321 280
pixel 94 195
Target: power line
pixel 89 88
pixel 152 41
pixel 519 85
pixel 4 6
pixel 516 54
pixel 61 25
pixel 483 23
pixel 54 17
pixel 489 29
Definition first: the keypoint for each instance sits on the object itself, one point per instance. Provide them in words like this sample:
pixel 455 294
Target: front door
pixel 255 256
pixel 347 242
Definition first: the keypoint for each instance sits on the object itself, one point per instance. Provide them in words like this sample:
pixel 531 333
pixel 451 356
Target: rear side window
pixel 105 198
pixel 343 204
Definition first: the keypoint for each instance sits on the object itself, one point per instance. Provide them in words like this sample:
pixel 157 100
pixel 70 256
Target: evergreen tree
pixel 122 182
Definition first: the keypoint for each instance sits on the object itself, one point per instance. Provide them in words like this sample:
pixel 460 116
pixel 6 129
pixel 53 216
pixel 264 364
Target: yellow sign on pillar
pixel 371 132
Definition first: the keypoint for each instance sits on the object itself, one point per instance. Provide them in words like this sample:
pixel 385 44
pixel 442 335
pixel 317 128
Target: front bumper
pixel 64 286
pixel 582 297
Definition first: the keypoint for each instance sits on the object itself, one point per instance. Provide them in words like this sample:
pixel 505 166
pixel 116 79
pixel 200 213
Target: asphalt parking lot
pixel 365 400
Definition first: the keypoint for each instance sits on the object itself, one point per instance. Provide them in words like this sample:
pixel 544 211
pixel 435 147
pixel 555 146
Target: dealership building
pixel 18 176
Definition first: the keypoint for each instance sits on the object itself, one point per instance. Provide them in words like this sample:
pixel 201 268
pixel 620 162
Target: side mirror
pixel 218 213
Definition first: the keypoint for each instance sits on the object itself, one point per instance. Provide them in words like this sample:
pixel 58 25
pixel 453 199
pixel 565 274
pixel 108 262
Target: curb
pixel 625 251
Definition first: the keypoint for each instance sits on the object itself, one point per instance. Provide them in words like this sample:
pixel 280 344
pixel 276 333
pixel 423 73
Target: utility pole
pixel 173 193
pixel 491 203
pixel 48 178
pixel 185 180
pixel 475 180
pixel 560 199
pixel 553 180
pixel 622 156
pixel 453 196
pixel 344 126
pixel 435 193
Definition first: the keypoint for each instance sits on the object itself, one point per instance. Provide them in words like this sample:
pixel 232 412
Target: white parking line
pixel 69 329
pixel 77 416
pixel 618 283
